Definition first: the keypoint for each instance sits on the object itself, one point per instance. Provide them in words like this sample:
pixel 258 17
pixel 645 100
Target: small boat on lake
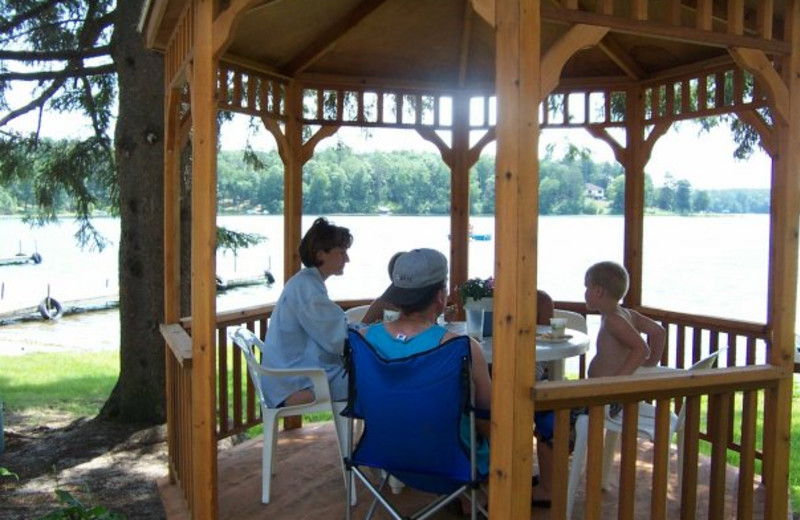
pixel 480 237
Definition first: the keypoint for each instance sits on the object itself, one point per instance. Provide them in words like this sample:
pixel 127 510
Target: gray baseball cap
pixel 416 275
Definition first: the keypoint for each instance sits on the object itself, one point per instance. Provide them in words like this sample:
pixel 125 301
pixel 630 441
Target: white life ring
pixel 50 309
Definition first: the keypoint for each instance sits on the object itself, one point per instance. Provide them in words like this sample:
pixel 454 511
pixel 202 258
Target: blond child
pixel 620 346
pixel 620 351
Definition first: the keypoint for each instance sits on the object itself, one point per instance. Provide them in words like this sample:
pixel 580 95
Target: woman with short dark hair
pixel 308 329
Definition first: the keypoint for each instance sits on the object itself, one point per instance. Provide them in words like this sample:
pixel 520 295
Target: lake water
pixel 714 265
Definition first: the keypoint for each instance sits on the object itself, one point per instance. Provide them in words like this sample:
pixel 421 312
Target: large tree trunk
pixel 139 395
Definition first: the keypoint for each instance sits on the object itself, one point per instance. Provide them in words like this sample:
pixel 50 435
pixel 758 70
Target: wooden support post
pixel 204 216
pixel 293 196
pixel 782 296
pixel 634 195
pixel 459 192
pixel 172 205
pixel 292 181
pixel 517 184
pixel 172 249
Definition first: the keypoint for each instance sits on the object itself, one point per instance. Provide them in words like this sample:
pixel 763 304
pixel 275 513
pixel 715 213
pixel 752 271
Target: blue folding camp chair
pixel 412 409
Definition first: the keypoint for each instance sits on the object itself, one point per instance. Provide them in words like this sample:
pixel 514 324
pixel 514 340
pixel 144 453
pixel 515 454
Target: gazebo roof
pixel 447 44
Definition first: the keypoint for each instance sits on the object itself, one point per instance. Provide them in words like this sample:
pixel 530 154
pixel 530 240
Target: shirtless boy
pixel 620 350
pixel 620 347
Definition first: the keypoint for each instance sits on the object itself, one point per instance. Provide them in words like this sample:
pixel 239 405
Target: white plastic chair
pixel 248 343
pixel 613 426
pixel 356 314
pixel 575 320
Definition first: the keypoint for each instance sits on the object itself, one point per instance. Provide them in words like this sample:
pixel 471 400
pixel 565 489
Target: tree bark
pixel 139 395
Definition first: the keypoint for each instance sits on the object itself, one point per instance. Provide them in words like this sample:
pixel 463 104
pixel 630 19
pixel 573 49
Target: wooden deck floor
pixel 309 484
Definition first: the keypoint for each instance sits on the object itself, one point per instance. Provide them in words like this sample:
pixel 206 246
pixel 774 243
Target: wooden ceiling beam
pixel 614 50
pixel 463 52
pixel 329 38
pixel 657 30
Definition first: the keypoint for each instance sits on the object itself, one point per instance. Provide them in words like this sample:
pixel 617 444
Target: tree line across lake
pixel 339 180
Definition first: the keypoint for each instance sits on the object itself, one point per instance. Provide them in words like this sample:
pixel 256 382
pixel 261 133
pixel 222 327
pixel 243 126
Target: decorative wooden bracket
pixel 577 38
pixel 485 9
pixel 308 147
pixel 620 152
pixel 225 23
pixel 757 63
pixel 473 154
pixel 659 129
pixel 765 132
pixel 430 135
pixel 603 135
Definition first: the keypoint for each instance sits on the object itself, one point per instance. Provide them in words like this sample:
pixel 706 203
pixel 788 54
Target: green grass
pixel 76 384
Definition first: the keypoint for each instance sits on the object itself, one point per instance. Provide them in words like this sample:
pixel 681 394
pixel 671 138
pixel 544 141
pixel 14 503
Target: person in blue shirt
pixel 307 328
pixel 419 291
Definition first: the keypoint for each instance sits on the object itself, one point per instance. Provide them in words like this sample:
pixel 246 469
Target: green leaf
pixel 65 497
pixel 5 473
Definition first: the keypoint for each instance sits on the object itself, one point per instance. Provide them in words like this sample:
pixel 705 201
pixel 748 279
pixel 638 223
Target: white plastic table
pixel 550 352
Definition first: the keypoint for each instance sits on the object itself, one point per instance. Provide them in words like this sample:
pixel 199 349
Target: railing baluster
pixel 751 351
pixel 223 424
pixel 236 376
pixel 697 345
pixel 594 471
pixel 718 407
pixel 560 460
pixel 744 505
pixel 658 504
pixel 690 458
pixel 627 465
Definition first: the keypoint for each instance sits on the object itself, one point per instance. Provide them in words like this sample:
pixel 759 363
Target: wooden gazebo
pixel 311 67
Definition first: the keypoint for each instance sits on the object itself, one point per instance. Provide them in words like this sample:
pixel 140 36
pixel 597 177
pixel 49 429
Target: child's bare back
pixel 620 346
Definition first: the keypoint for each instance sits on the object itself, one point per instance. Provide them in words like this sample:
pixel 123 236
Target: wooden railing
pixel 719 387
pixel 690 338
pixel 179 412
pixel 726 400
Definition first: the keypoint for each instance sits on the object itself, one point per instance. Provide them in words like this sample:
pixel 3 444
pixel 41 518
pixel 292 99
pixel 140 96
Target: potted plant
pixel 477 293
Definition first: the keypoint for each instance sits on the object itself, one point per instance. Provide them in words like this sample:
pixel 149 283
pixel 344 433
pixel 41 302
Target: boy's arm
pixel 627 337
pixel 656 337
pixel 374 313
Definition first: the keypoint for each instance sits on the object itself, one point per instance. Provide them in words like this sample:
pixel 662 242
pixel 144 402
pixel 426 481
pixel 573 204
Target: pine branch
pixel 61 55
pixel 48 75
pixel 21 18
pixel 37 102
